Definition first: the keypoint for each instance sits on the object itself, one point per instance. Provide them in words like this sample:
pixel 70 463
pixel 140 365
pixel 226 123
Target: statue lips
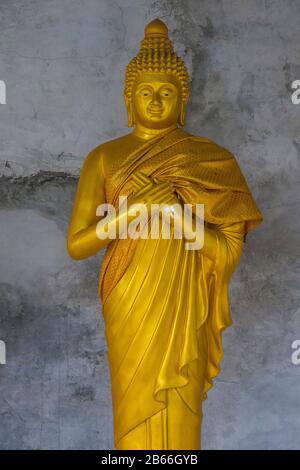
pixel 155 111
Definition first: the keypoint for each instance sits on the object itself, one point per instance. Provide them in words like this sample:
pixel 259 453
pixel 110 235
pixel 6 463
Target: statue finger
pixel 142 193
pixel 137 185
pixel 141 181
pixel 141 178
pixel 158 189
pixel 161 193
pixel 142 175
pixel 136 188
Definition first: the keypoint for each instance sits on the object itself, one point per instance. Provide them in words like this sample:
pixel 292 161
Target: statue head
pixel 156 82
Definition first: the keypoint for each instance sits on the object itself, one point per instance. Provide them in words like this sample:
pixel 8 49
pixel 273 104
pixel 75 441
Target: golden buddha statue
pixel 164 306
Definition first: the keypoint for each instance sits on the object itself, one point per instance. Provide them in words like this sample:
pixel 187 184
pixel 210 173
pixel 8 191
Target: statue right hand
pixel 152 193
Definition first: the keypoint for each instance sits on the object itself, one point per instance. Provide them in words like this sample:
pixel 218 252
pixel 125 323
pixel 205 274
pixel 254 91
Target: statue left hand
pixel 172 207
pixel 140 180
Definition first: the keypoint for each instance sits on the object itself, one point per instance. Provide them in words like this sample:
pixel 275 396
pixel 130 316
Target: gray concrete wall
pixel 63 63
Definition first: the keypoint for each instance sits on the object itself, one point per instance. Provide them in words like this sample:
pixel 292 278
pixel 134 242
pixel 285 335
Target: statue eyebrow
pixel 143 83
pixel 168 84
pixel 149 84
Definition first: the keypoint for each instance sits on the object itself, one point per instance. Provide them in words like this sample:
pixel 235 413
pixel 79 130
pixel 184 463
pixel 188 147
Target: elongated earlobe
pixel 181 119
pixel 130 114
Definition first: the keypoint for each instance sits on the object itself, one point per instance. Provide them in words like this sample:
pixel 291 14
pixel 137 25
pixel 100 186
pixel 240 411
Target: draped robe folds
pixel 165 307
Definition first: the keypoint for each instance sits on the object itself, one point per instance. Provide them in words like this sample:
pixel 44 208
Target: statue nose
pixel 155 105
pixel 155 102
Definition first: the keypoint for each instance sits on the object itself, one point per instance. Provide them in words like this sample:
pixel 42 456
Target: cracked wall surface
pixel 63 64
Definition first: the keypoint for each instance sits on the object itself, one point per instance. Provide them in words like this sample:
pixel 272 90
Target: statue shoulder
pixel 93 162
pixel 101 156
pixel 212 147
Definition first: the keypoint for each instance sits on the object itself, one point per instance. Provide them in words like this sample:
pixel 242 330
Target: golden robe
pixel 165 307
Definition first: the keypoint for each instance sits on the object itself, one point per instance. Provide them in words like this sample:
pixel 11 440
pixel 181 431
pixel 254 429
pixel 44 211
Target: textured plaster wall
pixel 63 63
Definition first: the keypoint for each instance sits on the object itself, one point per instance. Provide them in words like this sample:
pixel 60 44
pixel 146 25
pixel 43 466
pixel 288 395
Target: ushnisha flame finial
pixel 156 28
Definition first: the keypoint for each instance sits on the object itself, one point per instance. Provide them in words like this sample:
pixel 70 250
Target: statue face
pixel 156 99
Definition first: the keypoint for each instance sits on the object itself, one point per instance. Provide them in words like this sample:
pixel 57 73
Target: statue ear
pixel 130 114
pixel 181 119
pixel 182 114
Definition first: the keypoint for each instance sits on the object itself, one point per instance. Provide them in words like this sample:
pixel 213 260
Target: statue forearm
pixel 85 243
pixel 190 232
pixel 88 241
pixel 209 247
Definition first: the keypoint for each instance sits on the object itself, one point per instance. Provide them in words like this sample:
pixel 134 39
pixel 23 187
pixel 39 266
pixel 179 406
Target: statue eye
pixel 166 93
pixel 145 92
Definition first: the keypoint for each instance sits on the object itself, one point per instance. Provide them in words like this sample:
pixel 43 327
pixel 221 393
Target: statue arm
pixel 209 248
pixel 231 235
pixel 82 238
pixel 231 239
pixel 86 236
pixel 210 242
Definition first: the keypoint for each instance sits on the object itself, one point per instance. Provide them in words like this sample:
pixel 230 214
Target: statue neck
pixel 148 133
